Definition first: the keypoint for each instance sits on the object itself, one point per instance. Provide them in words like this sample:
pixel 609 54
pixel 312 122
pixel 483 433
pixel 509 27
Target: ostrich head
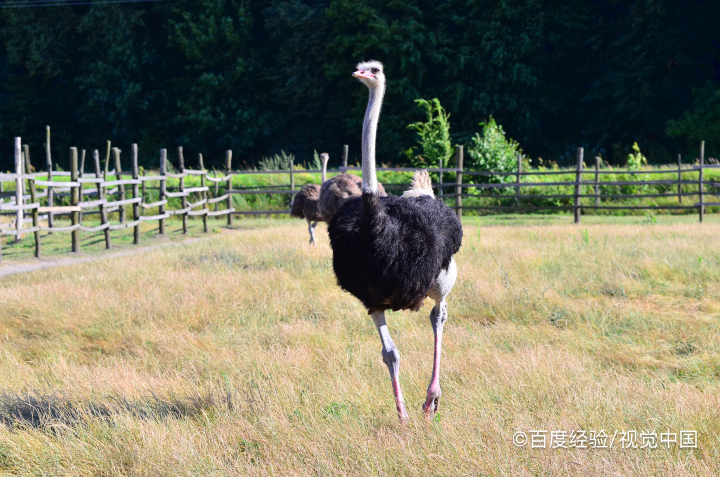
pixel 370 73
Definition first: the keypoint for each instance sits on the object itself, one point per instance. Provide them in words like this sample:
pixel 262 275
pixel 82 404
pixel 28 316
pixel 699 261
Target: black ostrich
pixel 393 252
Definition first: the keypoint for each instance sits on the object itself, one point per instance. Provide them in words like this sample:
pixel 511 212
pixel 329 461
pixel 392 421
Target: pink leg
pixel 438 317
pixel 391 357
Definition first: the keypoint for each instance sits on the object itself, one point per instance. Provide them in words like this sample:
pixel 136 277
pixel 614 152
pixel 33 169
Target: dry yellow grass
pixel 238 355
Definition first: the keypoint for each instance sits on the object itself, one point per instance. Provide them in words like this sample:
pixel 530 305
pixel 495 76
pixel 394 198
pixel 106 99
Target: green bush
pixel 278 162
pixel 434 136
pixel 492 152
pixel 702 123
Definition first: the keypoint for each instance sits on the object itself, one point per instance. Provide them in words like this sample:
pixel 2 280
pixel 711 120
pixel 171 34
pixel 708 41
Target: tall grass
pixel 272 370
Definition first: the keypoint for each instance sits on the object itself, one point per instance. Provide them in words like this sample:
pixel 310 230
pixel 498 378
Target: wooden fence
pixel 27 196
pixel 115 190
pixel 595 183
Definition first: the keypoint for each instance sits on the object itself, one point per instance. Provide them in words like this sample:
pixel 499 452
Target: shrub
pixel 635 162
pixel 434 136
pixel 316 162
pixel 277 162
pixel 492 152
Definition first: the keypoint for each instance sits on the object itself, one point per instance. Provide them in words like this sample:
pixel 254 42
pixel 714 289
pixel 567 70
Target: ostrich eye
pixel 374 70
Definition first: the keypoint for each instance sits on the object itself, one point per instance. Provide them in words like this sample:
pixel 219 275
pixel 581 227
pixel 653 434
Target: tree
pixel 702 123
pixel 491 151
pixel 433 136
pixel 215 94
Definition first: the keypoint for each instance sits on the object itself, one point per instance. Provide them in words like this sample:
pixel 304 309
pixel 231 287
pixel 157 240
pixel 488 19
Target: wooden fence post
pixel 18 188
pixel 517 180
pixel 25 171
pixel 101 198
pixel 81 169
pixel 107 160
pixel 136 195
pixel 440 178
pixel 700 180
pixel 142 190
pixel 346 150
pixel 81 173
pixel 217 189
pixel 48 163
pixel 121 188
pixel 183 199
pixel 458 181
pixel 292 180
pixel 597 182
pixel 228 185
pixel 679 178
pixel 578 184
pixel 163 190
pixel 203 183
pixel 33 199
pixel 74 199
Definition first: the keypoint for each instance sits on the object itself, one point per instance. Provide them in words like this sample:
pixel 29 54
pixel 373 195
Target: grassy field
pixel 238 355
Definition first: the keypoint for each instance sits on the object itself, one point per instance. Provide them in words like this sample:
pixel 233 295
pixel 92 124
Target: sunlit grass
pixel 272 370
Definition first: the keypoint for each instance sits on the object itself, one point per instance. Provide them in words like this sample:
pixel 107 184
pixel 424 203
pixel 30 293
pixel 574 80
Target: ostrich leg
pixel 391 357
pixel 311 229
pixel 438 317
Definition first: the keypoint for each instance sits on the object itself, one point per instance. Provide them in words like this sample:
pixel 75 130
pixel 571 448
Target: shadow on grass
pixel 49 410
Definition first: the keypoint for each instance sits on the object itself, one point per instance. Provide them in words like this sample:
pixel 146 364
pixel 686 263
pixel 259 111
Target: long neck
pixel 372 115
pixel 324 170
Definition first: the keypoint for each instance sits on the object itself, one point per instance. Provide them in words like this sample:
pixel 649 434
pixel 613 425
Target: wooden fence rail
pixel 107 192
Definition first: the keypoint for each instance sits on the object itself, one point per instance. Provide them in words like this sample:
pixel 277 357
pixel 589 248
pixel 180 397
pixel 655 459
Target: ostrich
pixel 393 252
pixel 336 190
pixel 305 205
pixel 318 203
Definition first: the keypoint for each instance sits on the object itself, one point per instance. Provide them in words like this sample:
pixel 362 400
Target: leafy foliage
pixel 316 162
pixel 214 42
pixel 492 151
pixel 433 136
pixel 635 162
pixel 261 77
pixel 636 159
pixel 702 123
pixel 277 162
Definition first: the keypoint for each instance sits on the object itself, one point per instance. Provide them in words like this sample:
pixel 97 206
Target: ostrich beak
pixel 363 74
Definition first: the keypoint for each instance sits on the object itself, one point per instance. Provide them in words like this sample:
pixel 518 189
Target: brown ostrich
pixel 336 190
pixel 305 205
pixel 316 203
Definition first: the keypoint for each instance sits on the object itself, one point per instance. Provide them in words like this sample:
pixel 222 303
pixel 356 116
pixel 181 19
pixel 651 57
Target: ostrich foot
pixel 399 402
pixel 403 415
pixel 431 408
pixel 432 404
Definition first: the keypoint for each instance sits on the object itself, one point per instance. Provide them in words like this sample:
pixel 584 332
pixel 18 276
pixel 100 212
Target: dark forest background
pixel 257 77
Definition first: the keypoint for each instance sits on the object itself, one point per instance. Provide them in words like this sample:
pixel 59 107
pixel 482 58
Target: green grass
pixel 238 355
pixel 91 243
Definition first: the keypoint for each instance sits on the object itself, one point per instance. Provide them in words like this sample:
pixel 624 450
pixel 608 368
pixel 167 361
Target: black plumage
pixel 388 251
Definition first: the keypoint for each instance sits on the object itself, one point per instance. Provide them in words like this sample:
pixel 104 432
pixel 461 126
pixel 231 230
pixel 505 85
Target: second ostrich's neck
pixel 324 171
pixel 372 115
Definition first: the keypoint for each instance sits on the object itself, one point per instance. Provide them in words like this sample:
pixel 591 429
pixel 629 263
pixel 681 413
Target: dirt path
pixel 43 263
